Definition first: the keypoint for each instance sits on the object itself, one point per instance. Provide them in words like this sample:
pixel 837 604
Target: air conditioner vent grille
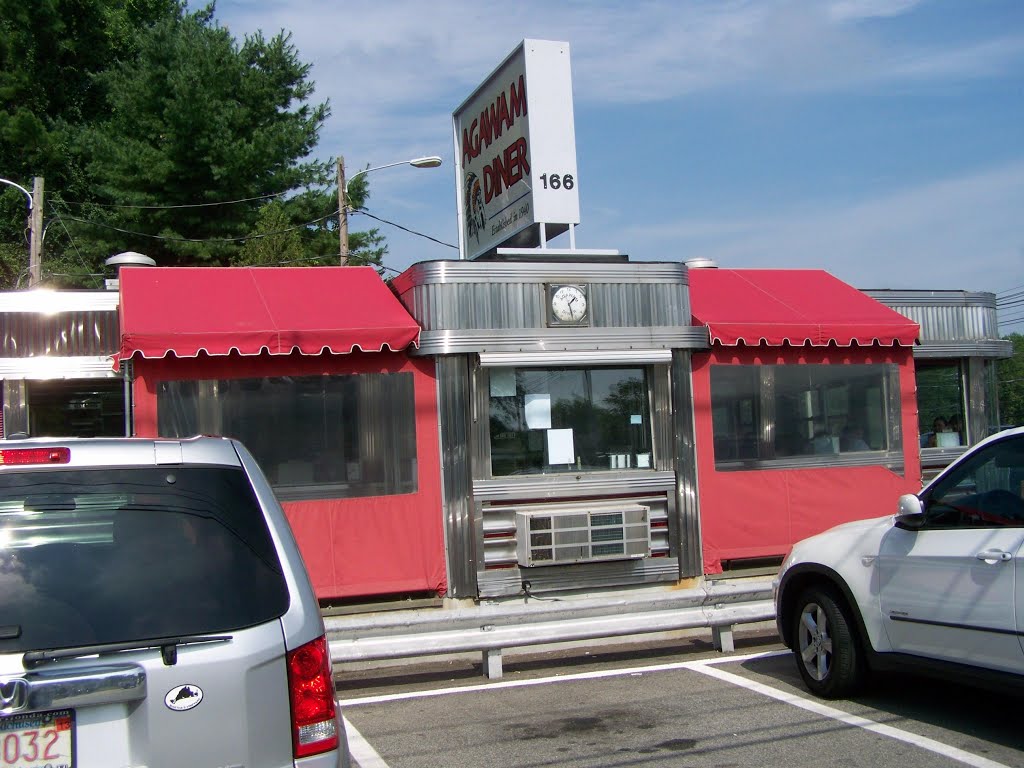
pixel 562 537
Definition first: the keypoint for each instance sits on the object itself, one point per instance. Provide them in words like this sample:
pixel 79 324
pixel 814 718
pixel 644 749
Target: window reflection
pixel 568 419
pixel 940 398
pixel 782 411
pixel 314 436
pixel 76 408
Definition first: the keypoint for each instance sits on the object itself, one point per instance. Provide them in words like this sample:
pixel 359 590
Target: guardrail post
pixel 721 638
pixel 492 663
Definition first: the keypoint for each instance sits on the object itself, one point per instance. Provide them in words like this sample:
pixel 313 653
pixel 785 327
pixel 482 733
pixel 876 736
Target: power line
pixel 173 207
pixel 200 239
pixel 404 229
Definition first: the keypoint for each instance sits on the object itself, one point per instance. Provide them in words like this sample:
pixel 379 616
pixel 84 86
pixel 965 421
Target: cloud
pixel 395 70
pixel 846 10
pixel 960 232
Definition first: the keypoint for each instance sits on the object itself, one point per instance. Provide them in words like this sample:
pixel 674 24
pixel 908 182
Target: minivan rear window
pixel 121 554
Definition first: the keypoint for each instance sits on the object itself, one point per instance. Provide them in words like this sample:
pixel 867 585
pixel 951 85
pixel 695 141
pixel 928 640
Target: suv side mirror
pixel 910 513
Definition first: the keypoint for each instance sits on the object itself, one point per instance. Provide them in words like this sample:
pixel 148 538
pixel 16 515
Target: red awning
pixel 791 306
pixel 249 310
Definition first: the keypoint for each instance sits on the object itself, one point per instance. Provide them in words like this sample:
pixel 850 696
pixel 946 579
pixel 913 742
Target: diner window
pixel 793 411
pixel 314 436
pixel 940 399
pixel 76 407
pixel 547 420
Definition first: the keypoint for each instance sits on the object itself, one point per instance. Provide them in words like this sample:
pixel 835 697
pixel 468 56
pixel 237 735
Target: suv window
pixel 122 554
pixel 986 489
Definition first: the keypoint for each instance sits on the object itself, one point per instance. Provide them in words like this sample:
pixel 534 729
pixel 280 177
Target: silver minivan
pixel 155 610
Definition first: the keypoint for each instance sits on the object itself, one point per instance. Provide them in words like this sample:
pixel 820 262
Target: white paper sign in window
pixel 560 447
pixel 538 412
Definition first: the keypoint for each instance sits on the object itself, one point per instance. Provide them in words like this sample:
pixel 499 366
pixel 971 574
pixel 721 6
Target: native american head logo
pixel 474 204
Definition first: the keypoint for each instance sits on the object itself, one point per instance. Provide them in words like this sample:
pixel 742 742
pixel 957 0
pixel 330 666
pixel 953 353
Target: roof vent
pixel 701 262
pixel 126 259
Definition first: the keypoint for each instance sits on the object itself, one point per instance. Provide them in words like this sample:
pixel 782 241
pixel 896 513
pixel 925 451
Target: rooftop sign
pixel 515 153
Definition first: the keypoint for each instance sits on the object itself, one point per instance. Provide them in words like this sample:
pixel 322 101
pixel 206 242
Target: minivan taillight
pixel 311 691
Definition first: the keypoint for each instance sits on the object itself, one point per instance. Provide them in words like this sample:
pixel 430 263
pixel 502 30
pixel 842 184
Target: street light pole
pixel 35 226
pixel 432 161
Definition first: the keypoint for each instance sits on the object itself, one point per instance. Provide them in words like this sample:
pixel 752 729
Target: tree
pixel 50 52
pixel 275 241
pixel 1010 372
pixel 197 121
pixel 149 123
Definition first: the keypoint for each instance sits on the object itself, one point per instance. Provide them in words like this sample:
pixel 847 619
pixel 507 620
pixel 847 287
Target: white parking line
pixel 703 666
pixel 359 748
pixel 961 756
pixel 622 672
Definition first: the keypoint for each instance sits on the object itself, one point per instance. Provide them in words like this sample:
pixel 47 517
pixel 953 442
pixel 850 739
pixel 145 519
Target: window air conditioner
pixel 582 536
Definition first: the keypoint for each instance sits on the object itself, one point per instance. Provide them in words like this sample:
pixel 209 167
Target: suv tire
pixel 825 644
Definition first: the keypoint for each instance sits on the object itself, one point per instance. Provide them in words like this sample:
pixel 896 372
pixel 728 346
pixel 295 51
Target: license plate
pixel 38 739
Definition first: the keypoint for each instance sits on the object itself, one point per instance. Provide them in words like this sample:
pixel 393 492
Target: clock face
pixel 569 304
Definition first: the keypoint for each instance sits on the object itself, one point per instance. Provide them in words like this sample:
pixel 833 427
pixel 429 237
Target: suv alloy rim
pixel 814 641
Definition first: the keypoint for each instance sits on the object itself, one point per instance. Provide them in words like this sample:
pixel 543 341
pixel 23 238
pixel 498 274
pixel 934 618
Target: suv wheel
pixel 825 644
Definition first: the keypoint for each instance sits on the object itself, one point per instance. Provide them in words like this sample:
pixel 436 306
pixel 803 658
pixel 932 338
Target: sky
pixel 880 140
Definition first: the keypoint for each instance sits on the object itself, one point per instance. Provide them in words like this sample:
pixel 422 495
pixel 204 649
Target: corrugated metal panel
pixel 509 581
pixel 68 334
pixel 685 461
pixel 566 486
pixel 451 306
pixel 453 394
pixel 493 295
pixel 946 316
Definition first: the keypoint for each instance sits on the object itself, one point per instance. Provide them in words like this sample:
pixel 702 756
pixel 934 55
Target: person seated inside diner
pixel 822 442
pixel 956 424
pixel 852 439
pixel 938 426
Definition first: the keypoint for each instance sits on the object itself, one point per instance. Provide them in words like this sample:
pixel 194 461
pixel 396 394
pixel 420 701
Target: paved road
pixel 668 704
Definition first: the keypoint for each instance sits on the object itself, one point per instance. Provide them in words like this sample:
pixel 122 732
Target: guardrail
pixel 493 627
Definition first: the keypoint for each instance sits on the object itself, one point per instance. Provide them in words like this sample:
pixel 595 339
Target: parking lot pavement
pixel 671 710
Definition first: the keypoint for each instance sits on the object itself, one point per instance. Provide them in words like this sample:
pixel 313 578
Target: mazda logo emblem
pixel 13 695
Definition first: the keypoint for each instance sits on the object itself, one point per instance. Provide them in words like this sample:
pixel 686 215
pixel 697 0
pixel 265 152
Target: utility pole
pixel 35 226
pixel 342 211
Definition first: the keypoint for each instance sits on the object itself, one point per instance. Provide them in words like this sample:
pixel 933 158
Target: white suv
pixel 938 586
pixel 155 610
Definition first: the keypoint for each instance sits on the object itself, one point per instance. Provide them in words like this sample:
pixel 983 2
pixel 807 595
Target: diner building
pixel 483 427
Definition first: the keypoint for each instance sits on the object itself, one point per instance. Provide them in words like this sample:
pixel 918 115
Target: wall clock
pixel 567 305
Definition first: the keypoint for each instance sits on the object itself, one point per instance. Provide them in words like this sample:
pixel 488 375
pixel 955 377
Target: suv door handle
pixel 994 555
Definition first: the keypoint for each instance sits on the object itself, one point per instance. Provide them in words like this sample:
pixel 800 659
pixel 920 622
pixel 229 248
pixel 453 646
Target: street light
pixel 35 226
pixel 420 162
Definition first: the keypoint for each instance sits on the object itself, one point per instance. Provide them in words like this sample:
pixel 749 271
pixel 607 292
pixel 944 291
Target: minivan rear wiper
pixel 168 649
